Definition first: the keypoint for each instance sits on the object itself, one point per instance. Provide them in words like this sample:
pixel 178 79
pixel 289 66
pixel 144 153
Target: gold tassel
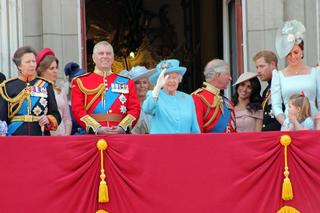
pixel 287 192
pixel 103 187
pixel 288 209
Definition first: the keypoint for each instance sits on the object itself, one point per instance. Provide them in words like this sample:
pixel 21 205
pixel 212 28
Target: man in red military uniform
pixel 102 101
pixel 215 112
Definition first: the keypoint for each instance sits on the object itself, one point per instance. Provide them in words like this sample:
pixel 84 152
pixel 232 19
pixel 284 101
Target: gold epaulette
pixel 44 79
pixel 15 101
pixel 6 81
pixel 197 91
pixel 79 76
pixel 210 88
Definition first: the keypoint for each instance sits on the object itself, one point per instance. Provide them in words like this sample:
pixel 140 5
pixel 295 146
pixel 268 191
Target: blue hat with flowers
pixel 139 72
pixel 124 73
pixel 170 65
pixel 72 70
pixel 290 34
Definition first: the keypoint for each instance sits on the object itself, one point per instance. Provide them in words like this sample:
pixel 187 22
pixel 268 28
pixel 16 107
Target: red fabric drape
pixel 159 173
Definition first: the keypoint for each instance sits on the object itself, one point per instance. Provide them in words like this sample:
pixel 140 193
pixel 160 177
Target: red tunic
pixel 90 93
pixel 210 107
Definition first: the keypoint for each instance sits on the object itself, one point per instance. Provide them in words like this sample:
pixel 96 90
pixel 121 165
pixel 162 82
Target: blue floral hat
pixel 171 65
pixel 139 72
pixel 290 34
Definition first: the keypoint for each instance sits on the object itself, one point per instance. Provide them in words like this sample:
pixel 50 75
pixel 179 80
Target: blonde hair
pixel 301 101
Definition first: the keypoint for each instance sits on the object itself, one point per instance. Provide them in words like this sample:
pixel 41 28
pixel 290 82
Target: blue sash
pixel 223 120
pixel 13 126
pixel 110 97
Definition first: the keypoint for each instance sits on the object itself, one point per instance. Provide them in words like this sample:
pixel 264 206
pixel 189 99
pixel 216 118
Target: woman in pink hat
pixel 47 67
pixel 247 101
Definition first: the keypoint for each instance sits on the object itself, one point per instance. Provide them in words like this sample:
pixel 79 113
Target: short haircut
pixel 268 56
pixel 214 67
pixel 20 52
pixel 101 43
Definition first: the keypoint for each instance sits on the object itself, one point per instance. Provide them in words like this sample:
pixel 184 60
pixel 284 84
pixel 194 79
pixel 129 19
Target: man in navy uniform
pixel 266 61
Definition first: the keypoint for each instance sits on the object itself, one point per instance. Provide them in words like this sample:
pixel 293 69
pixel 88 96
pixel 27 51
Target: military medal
pixel 120 87
pixel 122 98
pixel 37 110
pixel 123 109
pixel 38 91
pixel 43 102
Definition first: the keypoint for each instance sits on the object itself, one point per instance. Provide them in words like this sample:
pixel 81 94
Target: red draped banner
pixel 160 173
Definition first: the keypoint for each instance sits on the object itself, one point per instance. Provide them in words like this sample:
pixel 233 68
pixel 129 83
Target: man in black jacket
pixel 266 61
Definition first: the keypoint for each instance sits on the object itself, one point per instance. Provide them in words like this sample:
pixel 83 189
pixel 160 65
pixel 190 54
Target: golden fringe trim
pixel 103 187
pixel 288 209
pixel 287 192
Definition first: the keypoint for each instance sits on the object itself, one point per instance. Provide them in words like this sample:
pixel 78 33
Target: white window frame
pixel 10 33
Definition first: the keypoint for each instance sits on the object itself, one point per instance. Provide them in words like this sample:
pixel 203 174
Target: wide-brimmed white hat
pixel 288 35
pixel 139 72
pixel 245 76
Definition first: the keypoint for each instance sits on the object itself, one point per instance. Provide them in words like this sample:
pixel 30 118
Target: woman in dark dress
pixel 27 102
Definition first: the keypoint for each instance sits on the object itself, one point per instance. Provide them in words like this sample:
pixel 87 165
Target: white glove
pixel 160 83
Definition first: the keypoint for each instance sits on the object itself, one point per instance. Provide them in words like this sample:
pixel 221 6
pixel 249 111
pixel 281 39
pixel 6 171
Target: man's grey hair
pixel 101 43
pixel 213 68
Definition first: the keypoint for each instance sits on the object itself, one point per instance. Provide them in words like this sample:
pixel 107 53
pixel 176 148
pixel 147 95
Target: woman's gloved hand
pixel 160 83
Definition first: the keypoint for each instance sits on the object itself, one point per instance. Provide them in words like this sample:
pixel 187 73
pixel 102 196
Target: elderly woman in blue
pixel 171 111
pixel 296 77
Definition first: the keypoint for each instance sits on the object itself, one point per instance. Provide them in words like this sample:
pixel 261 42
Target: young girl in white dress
pixel 299 114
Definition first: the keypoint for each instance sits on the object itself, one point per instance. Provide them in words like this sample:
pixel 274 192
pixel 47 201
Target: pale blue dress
pixel 307 124
pixel 282 87
pixel 171 114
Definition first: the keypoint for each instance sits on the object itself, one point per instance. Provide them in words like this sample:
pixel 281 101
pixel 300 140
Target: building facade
pixel 248 26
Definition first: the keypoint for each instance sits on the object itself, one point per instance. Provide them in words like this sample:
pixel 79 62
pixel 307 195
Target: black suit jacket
pixel 270 122
pixel 2 77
